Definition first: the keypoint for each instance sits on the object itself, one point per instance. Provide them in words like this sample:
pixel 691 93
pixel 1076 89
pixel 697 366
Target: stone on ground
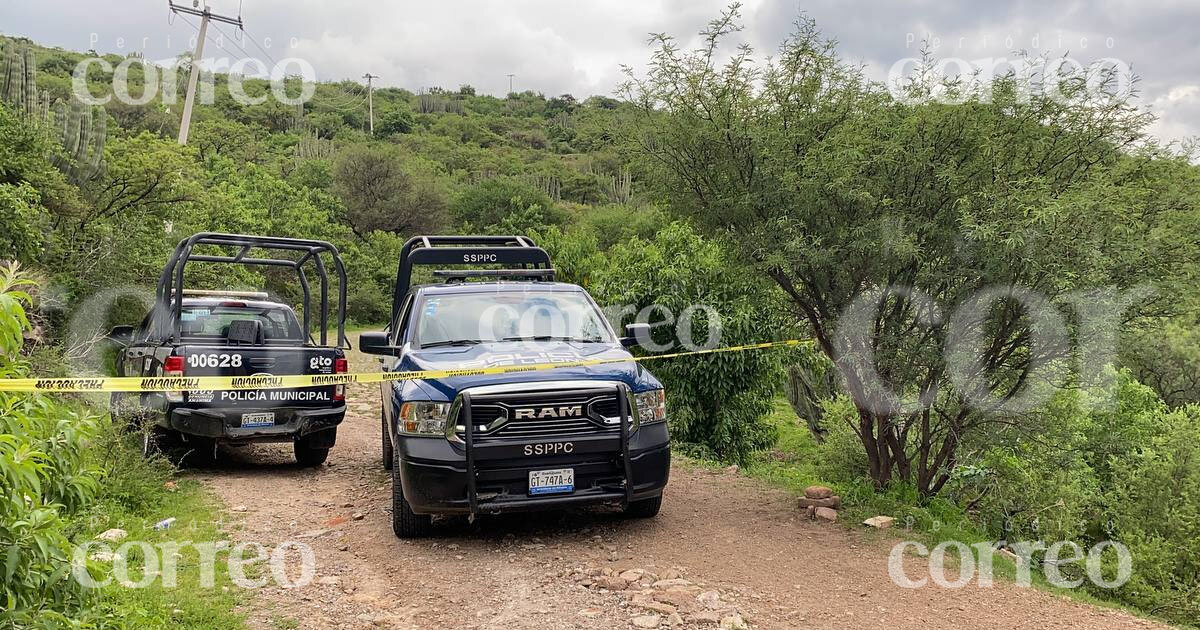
pixel 112 535
pixel 818 492
pixel 879 522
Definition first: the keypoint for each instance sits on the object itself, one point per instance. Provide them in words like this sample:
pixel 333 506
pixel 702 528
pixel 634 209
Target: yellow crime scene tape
pixel 204 383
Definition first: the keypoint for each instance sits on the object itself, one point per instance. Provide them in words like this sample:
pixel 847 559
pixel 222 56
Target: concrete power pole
pixel 204 15
pixel 370 100
pixel 510 83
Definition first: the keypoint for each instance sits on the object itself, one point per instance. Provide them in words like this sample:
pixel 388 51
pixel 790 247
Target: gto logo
pixel 572 411
pixel 554 448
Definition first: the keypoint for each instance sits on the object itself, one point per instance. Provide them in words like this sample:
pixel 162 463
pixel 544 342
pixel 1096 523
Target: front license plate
pixel 551 481
pixel 251 420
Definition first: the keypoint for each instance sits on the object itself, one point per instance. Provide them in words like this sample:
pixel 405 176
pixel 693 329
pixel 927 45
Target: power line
pixel 205 16
pixel 254 41
pixel 370 100
pixel 352 102
pixel 234 40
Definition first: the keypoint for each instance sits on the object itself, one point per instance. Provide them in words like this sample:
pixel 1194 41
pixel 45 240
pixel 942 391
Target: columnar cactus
pixel 30 91
pixel 83 135
pixel 14 77
pixel 44 107
pixel 620 187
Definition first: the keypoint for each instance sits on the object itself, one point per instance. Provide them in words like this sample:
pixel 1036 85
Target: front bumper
pixel 433 472
pixel 226 424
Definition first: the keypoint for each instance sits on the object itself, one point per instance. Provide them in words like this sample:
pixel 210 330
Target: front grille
pixel 555 414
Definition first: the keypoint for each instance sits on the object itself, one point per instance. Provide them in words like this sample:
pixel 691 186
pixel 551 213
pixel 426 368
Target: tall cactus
pixel 83 138
pixel 44 107
pixel 14 78
pixel 30 92
pixel 19 89
pixel 620 187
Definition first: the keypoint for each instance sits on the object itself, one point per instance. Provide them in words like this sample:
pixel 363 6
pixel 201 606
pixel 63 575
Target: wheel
pixel 308 454
pixel 387 441
pixel 645 508
pixel 406 523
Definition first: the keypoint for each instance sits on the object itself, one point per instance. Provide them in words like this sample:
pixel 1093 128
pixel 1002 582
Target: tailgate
pixel 204 360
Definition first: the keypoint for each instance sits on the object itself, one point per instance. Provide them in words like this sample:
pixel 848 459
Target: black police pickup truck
pixel 232 333
pixel 524 440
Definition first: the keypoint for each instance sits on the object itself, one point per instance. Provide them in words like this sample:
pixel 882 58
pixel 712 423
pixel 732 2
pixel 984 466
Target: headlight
pixel 651 406
pixel 424 418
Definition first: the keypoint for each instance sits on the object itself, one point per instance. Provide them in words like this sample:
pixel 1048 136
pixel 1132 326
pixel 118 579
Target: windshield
pixel 511 316
pixel 278 323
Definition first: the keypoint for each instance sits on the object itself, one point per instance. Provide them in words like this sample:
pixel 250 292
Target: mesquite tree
pixel 931 247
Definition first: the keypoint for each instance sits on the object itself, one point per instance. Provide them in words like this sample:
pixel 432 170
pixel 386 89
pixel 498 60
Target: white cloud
pixel 556 46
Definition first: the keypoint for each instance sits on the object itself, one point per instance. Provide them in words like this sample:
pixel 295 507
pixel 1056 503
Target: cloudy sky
pixel 578 46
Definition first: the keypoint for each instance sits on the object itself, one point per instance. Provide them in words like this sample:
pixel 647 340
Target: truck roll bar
pixel 463 250
pixel 170 291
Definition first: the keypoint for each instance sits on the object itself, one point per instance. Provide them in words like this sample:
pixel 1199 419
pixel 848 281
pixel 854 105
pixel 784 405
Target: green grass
pixel 135 497
pixel 793 464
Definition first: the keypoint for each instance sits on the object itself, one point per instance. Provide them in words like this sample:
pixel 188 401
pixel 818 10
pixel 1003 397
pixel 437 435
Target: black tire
pixel 308 455
pixel 387 442
pixel 645 508
pixel 406 523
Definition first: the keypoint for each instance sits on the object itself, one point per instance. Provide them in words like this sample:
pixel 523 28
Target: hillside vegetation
pixel 785 195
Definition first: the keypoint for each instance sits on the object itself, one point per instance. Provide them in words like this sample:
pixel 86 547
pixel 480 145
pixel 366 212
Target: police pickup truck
pixel 238 334
pixel 502 441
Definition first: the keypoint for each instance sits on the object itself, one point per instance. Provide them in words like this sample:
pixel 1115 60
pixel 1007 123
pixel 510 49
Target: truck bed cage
pixel 467 250
pixel 169 291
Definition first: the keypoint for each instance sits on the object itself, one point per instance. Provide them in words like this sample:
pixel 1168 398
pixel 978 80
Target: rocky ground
pixel 726 552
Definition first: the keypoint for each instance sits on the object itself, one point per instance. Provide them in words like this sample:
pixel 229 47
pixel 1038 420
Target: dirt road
pixel 726 546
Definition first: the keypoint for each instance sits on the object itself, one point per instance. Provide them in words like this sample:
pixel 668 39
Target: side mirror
pixel 376 343
pixel 122 335
pixel 633 332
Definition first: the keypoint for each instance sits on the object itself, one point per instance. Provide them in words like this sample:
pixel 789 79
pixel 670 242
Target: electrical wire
pixel 244 52
pixel 254 40
pixel 350 104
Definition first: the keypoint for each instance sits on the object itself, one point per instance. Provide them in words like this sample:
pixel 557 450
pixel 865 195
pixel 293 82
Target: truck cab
pixel 191 332
pixel 498 437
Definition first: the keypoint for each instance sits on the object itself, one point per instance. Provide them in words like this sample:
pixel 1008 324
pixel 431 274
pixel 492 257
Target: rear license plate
pixel 551 481
pixel 251 420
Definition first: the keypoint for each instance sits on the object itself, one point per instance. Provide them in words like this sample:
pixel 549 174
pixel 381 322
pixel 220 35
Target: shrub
pixel 615 223
pixel 45 478
pixel 1155 508
pixel 841 455
pixel 507 202
pixel 398 120
pixel 718 401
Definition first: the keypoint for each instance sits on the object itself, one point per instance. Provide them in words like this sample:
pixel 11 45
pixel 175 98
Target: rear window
pixel 278 324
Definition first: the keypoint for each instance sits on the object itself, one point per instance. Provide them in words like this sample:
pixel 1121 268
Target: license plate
pixel 551 481
pixel 251 420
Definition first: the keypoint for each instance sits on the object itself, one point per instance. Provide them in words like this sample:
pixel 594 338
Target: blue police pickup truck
pixel 512 441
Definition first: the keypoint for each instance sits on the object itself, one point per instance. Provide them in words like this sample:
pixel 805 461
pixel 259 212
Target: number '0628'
pixel 214 360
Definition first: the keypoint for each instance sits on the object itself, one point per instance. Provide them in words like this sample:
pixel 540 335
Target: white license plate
pixel 552 481
pixel 251 420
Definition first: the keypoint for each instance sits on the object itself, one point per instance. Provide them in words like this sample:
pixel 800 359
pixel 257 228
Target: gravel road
pixel 725 550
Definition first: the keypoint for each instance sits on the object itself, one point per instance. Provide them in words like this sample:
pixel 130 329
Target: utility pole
pixel 371 100
pixel 510 83
pixel 204 15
